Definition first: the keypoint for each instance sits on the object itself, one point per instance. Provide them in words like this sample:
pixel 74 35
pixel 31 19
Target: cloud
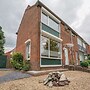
pixel 65 9
pixel 82 14
pixel 75 13
pixel 11 12
pixel 84 29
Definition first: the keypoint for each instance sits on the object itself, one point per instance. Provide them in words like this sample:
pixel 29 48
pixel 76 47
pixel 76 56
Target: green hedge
pixel 85 63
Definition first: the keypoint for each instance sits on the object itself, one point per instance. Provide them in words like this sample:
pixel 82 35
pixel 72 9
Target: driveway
pixel 14 75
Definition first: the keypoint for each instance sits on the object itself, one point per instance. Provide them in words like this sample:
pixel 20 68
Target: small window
pixel 84 45
pixel 28 51
pixel 79 41
pixel 44 18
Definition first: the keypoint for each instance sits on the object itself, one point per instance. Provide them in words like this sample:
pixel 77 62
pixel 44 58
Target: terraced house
pixel 47 41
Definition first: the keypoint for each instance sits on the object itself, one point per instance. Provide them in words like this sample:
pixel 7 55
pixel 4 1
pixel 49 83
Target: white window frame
pixel 50 35
pixel 79 41
pixel 49 49
pixel 84 45
pixel 43 10
pixel 28 42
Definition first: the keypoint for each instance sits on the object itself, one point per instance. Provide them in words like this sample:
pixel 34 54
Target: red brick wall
pixel 30 29
pixel 88 49
pixel 66 36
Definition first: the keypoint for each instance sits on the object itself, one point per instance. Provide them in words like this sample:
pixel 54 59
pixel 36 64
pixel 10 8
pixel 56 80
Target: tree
pixel 2 41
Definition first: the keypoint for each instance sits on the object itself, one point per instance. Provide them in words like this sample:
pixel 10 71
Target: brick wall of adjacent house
pixel 66 37
pixel 30 29
pixel 87 49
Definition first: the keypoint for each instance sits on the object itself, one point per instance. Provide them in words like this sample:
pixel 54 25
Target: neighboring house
pixel 47 41
pixel 9 54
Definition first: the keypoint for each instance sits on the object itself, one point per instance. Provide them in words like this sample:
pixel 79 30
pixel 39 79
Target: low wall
pixel 78 68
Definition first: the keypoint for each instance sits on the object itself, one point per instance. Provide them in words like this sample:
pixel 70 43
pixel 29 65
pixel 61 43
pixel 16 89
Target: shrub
pixel 17 61
pixel 84 64
pixel 26 66
pixel 17 57
pixel 88 57
pixel 88 61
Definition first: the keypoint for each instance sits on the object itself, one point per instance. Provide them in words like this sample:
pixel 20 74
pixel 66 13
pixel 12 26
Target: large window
pixel 50 48
pixel 46 19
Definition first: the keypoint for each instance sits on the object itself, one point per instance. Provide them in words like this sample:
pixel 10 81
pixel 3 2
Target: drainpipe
pixel 71 47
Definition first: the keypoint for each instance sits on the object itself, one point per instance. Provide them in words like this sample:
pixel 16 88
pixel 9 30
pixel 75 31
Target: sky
pixel 76 13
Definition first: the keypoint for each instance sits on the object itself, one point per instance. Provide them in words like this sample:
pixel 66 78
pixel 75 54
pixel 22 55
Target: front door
pixel 66 56
pixel 81 56
pixel 76 58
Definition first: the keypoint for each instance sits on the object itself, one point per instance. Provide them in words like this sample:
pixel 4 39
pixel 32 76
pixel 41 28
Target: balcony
pixel 81 48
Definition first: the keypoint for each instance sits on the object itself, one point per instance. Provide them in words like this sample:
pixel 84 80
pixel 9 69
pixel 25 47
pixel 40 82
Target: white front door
pixel 81 56
pixel 76 58
pixel 66 56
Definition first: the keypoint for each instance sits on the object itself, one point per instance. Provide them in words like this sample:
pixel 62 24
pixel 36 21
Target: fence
pixel 3 61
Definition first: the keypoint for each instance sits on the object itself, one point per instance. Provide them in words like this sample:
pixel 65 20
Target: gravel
pixel 78 81
pixel 13 76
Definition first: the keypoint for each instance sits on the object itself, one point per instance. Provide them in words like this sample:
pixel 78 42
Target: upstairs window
pixel 53 24
pixel 49 21
pixel 79 42
pixel 44 19
pixel 84 45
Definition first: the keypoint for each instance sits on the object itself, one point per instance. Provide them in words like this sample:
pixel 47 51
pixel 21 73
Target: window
pixel 53 24
pixel 79 42
pixel 44 46
pixel 84 45
pixel 44 18
pixel 54 49
pixel 50 48
pixel 28 51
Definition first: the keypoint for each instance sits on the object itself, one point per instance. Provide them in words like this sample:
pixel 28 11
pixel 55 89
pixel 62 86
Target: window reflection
pixel 50 48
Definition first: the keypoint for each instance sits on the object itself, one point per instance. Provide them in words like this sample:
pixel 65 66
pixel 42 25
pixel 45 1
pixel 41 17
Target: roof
pixel 38 3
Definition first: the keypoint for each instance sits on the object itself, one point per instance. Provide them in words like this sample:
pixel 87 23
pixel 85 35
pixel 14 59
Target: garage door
pixel 3 60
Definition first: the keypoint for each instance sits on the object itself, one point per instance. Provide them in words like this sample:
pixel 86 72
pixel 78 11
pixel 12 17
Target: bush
pixel 17 57
pixel 84 64
pixel 26 66
pixel 88 57
pixel 17 61
pixel 88 61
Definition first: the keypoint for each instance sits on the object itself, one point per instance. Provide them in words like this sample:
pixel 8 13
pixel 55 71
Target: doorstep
pixel 38 73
